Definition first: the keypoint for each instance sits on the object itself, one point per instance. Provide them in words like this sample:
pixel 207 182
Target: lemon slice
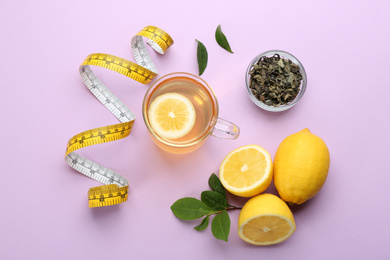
pixel 172 115
pixel 265 220
pixel 246 171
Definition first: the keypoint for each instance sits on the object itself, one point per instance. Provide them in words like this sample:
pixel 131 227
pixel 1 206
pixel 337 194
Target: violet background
pixel 344 47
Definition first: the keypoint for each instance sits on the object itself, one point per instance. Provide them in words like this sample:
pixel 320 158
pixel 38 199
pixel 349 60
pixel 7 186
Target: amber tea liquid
pixel 205 107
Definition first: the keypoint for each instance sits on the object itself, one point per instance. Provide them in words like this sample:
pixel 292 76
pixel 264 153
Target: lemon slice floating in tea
pixel 172 115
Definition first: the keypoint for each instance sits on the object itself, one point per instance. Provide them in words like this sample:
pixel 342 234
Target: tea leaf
pixel 204 224
pixel 220 226
pixel 214 200
pixel 216 185
pixel 190 208
pixel 221 39
pixel 202 57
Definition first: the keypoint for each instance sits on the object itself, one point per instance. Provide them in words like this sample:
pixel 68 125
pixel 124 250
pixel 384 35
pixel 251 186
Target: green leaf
pixel 189 208
pixel 202 57
pixel 221 39
pixel 204 224
pixel 220 226
pixel 216 185
pixel 214 200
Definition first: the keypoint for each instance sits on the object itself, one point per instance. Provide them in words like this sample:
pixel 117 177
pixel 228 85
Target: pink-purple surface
pixel 344 46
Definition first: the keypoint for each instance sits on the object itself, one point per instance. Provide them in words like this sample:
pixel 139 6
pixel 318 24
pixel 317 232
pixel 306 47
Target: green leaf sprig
pixel 221 39
pixel 213 202
pixel 202 57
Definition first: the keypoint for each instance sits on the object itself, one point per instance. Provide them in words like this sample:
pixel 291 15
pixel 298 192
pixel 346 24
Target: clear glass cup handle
pixel 225 129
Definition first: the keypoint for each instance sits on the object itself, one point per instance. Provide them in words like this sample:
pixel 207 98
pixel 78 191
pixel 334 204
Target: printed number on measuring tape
pixel 115 188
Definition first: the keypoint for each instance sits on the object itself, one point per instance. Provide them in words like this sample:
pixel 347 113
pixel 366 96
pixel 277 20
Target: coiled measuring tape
pixel 115 188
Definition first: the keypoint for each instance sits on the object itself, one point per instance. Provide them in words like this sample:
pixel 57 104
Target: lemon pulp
pixel 172 115
pixel 246 171
pixel 265 220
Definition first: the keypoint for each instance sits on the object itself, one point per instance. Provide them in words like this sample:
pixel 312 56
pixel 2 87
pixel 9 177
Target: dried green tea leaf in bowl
pixel 275 80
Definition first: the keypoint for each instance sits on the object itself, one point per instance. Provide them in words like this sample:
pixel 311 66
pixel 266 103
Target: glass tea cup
pixel 204 101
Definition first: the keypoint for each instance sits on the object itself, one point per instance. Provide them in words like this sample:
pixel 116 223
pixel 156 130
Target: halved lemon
pixel 265 220
pixel 172 115
pixel 246 171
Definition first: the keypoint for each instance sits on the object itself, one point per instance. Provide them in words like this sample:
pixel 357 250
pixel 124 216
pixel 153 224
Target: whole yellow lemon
pixel 301 165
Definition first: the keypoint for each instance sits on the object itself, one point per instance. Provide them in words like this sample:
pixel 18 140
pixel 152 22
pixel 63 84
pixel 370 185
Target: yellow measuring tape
pixel 115 188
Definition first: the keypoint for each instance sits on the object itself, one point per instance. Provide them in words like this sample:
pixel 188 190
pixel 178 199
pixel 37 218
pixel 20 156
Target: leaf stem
pixel 231 207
